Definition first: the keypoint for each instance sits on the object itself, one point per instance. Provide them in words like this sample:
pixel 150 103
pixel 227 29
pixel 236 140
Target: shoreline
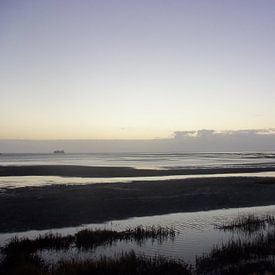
pixel 102 171
pixel 56 206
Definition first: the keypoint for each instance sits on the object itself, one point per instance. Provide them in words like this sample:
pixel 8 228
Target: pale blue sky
pixel 135 69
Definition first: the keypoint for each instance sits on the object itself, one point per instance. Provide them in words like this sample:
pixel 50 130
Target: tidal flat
pixel 55 206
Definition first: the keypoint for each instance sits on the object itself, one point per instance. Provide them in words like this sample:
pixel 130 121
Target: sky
pixel 103 69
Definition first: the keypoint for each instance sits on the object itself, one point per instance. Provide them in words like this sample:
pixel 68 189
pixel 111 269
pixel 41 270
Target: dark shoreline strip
pixel 98 171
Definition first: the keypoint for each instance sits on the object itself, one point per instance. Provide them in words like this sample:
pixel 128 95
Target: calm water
pixel 157 161
pixel 196 234
pixel 31 181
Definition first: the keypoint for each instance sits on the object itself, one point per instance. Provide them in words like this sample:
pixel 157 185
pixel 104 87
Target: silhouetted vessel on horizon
pixel 60 152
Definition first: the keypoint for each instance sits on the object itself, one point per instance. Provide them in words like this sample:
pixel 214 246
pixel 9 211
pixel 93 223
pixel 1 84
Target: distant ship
pixel 59 152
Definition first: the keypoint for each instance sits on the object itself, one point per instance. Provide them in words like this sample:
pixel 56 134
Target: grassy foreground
pixel 248 224
pixel 252 255
pixel 125 264
pixel 20 254
pixel 87 239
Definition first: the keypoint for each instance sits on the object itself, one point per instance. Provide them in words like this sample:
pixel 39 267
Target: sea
pixel 191 161
pixel 147 160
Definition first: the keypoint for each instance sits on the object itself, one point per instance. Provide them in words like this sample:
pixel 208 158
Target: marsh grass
pixel 87 238
pixel 248 224
pixel 20 254
pixel 239 254
pixel 261 267
pixel 92 238
pixel 47 241
pixel 126 264
pixel 252 255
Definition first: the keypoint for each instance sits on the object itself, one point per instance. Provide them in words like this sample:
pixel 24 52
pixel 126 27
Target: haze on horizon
pixel 135 69
pixel 257 140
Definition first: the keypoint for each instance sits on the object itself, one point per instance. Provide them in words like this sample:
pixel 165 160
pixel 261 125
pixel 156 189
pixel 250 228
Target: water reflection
pixel 197 234
pixel 145 160
pixel 31 181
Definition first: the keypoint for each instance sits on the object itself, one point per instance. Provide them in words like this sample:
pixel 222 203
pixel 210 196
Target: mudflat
pixel 60 206
pixel 101 171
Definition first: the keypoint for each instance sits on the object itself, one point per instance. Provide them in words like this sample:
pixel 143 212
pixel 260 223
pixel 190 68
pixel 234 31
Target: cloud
pixel 181 134
pixel 203 140
pixel 209 132
pixel 228 140
pixel 205 133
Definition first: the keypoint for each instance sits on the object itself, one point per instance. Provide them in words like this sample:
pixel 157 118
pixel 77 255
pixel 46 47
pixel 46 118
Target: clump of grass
pixel 19 257
pixel 126 264
pixel 86 238
pixel 46 241
pixel 238 253
pixel 261 267
pixel 21 263
pixel 258 267
pixel 21 252
pixel 248 224
pixel 92 238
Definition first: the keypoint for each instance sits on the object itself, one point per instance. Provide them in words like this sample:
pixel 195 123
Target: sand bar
pixel 60 206
pixel 100 171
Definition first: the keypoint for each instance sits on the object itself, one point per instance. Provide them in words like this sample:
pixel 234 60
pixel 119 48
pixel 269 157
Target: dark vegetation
pixel 248 224
pixel 251 255
pixel 125 264
pixel 89 239
pixel 255 255
pixel 28 246
pixel 20 257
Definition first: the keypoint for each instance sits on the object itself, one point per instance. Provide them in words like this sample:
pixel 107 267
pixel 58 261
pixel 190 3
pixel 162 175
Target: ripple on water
pixel 196 234
pixel 31 181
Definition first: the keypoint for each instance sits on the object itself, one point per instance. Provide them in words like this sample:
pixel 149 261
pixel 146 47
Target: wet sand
pixel 61 206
